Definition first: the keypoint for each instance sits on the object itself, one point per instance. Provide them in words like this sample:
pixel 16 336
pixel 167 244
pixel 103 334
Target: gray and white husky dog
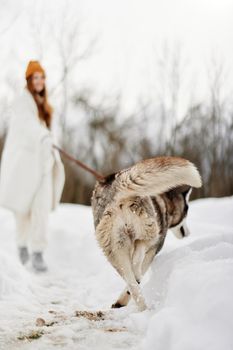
pixel 134 208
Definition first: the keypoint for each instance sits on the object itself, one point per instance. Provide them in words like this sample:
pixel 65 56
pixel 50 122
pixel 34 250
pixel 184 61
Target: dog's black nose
pixel 182 231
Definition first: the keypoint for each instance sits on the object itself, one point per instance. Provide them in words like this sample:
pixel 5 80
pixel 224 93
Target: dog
pixel 133 210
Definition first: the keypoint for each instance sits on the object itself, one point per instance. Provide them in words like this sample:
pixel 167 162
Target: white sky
pixel 132 32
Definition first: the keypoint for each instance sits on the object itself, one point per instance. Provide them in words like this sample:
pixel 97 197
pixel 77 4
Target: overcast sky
pixel 134 32
pixel 131 34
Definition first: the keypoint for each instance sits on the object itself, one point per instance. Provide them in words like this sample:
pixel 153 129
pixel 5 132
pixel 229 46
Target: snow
pixel 188 290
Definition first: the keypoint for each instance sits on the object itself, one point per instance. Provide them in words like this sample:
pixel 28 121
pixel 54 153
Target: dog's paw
pixel 117 305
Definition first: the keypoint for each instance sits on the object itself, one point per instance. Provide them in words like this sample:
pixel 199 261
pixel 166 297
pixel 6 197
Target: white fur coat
pixel 28 155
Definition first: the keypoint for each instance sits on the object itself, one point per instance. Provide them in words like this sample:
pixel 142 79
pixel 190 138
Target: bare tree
pixel 71 48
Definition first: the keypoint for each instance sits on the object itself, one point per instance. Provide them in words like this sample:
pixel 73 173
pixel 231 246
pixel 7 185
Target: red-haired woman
pixel 32 174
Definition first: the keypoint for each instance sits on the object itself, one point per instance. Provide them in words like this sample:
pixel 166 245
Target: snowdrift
pixel 188 290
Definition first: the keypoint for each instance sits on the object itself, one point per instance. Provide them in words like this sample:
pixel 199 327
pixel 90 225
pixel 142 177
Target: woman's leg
pixel 22 235
pixel 40 210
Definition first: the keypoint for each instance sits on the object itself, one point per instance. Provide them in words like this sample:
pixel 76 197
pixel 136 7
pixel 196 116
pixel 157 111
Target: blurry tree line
pixel 100 135
pixel 204 136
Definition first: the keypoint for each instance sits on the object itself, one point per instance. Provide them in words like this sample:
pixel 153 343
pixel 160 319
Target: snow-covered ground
pixel 189 289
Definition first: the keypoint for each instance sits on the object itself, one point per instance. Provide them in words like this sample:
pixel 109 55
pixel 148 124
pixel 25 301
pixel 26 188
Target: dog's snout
pixel 181 231
pixel 184 230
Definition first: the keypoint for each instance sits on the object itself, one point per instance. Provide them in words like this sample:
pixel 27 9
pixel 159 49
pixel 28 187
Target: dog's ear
pixel 185 190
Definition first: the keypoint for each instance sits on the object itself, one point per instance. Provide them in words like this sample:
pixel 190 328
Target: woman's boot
pixel 23 255
pixel 38 262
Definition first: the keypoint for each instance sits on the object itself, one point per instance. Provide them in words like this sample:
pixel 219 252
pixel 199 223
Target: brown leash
pixel 97 175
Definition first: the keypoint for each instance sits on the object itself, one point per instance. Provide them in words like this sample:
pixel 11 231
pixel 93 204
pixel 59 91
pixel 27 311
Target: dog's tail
pixel 154 176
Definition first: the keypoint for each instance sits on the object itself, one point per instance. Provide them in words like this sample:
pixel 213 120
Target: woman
pixel 32 174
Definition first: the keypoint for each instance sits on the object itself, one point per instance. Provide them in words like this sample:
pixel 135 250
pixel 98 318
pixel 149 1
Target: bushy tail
pixel 154 176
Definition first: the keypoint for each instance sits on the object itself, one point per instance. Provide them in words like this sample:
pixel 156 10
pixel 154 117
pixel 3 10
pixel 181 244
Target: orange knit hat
pixel 33 67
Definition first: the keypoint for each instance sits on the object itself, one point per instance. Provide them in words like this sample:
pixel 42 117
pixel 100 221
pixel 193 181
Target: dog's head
pixel 177 200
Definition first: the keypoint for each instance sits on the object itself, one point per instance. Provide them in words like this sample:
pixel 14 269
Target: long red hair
pixel 44 108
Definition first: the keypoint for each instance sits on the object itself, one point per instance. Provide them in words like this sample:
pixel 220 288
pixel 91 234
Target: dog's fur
pixel 134 209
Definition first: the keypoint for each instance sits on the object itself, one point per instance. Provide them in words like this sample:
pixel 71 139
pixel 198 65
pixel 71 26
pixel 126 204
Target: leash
pixel 97 175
